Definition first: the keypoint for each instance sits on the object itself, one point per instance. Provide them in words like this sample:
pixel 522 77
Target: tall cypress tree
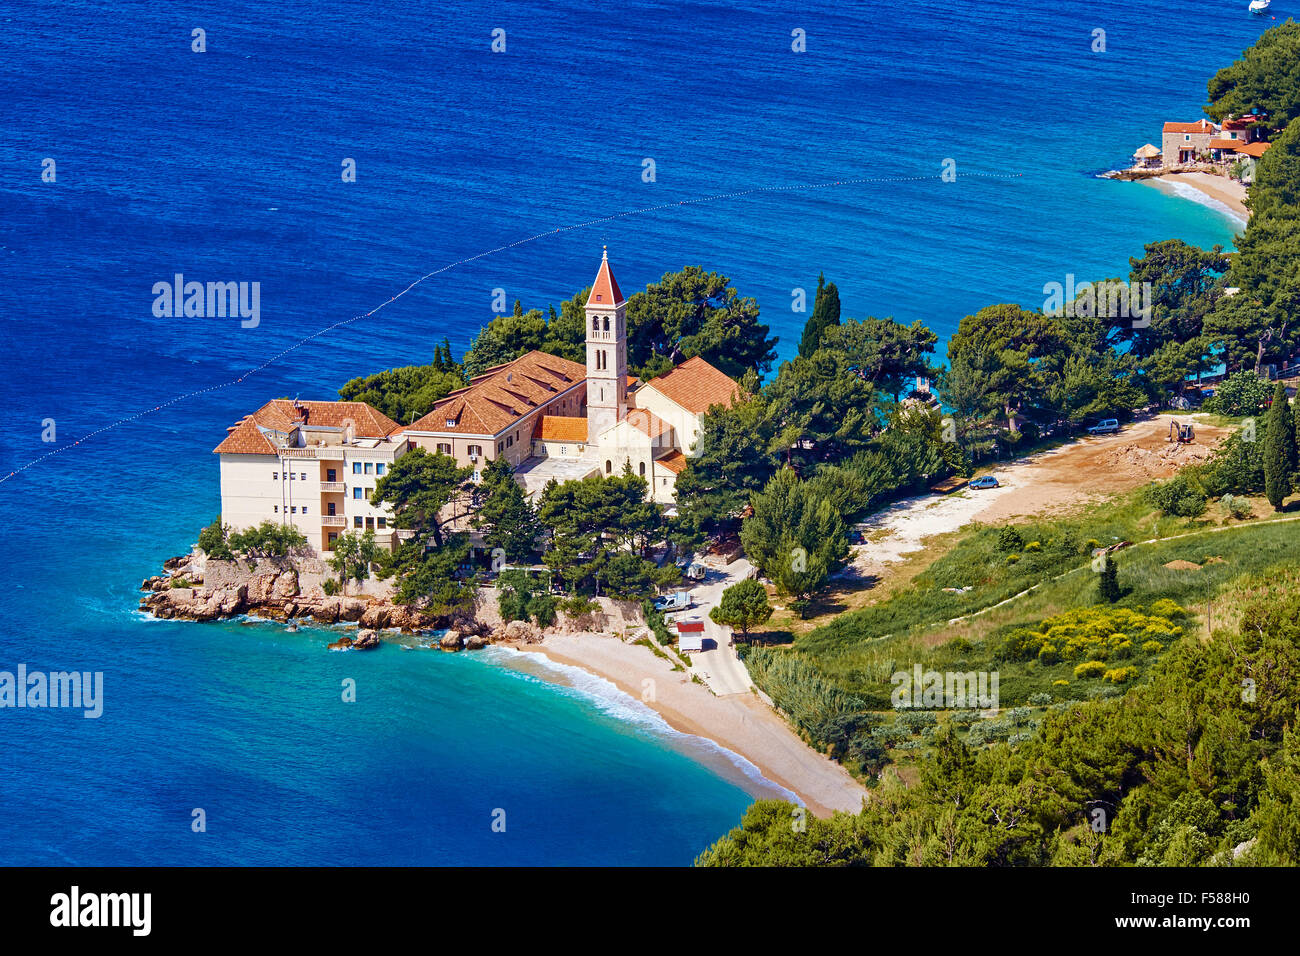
pixel 1279 449
pixel 442 359
pixel 825 313
pixel 1295 451
pixel 1108 584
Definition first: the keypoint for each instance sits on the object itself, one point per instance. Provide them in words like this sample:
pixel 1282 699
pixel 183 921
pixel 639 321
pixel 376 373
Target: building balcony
pixel 332 486
pixel 313 452
pixel 333 521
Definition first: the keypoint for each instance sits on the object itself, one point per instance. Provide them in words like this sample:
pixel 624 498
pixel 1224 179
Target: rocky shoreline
pixel 194 587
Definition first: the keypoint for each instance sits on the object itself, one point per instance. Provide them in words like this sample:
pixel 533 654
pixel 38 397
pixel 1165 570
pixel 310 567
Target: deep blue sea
pixel 226 166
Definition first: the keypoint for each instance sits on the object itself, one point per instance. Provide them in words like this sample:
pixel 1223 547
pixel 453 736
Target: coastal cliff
pixel 194 587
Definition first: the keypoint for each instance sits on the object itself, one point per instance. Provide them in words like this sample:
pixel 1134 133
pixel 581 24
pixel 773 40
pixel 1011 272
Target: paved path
pixel 718 666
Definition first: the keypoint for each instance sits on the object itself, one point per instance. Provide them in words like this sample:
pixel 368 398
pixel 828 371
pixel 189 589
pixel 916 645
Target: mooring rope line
pixel 717 197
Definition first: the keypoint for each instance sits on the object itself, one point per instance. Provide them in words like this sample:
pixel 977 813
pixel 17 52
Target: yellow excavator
pixel 1183 434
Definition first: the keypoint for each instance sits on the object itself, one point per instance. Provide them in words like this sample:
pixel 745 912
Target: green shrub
pixel 1236 466
pixel 1238 507
pixel 542 609
pixel 512 604
pixel 914 721
pixel 1120 675
pixel 1094 633
pixel 1241 393
pixel 1181 497
pixel 577 605
pixel 1089 669
pixel 1009 539
pixel 1164 607
pixel 268 539
pixel 212 541
pixel 330 586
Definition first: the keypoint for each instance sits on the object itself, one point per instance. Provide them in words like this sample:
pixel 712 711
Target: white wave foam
pixel 1184 191
pixel 610 699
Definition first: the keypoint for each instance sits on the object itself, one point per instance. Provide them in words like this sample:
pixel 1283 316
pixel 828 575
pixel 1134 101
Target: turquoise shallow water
pixel 225 165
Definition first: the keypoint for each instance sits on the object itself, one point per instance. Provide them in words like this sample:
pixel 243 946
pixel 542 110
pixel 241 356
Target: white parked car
pixel 1104 427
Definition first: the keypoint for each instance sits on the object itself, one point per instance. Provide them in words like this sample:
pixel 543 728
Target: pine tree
pixel 744 605
pixel 1108 583
pixel 826 312
pixel 1279 449
pixel 505 517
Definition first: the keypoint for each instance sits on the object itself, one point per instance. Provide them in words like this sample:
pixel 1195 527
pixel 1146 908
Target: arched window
pixel 606 323
pixel 595 324
pixel 609 466
pixel 642 466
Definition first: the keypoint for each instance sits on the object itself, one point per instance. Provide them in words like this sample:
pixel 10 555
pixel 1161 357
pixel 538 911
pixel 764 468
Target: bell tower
pixel 606 353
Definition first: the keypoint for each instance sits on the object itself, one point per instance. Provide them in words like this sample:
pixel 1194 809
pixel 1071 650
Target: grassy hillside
pixel 1198 765
pixel 834 684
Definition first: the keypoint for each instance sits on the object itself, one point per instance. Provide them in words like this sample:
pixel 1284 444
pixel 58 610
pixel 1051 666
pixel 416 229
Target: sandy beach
pixel 1229 192
pixel 741 723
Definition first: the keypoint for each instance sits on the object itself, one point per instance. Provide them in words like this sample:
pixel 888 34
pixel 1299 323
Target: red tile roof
pixel 674 461
pixel 562 428
pixel 1201 126
pixel 1254 149
pixel 1225 143
pixel 245 439
pixel 647 422
pixel 695 385
pixel 501 396
pixel 605 290
pixel 284 416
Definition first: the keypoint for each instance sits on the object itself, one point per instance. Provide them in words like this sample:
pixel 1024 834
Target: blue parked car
pixel 986 481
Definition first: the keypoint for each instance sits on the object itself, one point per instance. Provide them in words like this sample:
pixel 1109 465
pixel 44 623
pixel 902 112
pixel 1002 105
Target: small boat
pixel 1259 6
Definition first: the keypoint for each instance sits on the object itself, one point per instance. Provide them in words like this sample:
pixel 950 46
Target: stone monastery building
pixel 315 464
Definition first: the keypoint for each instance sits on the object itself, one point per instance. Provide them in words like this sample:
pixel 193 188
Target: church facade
pixel 556 419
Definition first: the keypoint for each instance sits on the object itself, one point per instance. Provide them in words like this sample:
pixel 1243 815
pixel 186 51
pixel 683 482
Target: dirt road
pixel 1051 482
